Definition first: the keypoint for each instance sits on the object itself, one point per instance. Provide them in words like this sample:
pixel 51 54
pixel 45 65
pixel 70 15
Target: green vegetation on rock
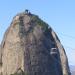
pixel 39 22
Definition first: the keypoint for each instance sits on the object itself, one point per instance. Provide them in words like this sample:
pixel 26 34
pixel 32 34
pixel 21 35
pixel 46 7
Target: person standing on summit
pixel 27 12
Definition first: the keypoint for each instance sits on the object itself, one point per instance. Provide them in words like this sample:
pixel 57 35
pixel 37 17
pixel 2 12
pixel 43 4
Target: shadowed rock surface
pixel 31 47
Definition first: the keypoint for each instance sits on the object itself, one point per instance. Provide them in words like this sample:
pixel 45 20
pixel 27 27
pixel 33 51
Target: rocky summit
pixel 31 47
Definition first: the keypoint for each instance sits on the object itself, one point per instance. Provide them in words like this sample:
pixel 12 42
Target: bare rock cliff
pixel 31 47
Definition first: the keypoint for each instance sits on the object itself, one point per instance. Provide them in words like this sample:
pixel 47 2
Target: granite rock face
pixel 31 47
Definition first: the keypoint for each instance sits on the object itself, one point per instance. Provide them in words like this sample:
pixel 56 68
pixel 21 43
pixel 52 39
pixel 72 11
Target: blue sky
pixel 59 14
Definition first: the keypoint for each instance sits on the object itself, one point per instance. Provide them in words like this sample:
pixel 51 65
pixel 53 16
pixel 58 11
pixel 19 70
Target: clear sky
pixel 59 14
